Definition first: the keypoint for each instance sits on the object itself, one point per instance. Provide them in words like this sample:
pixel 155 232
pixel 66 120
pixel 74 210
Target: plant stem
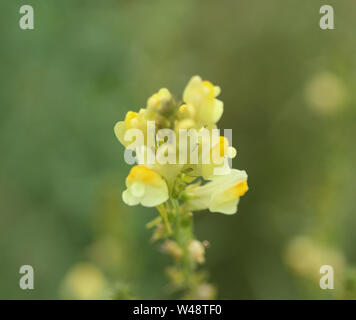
pixel 183 224
pixel 164 216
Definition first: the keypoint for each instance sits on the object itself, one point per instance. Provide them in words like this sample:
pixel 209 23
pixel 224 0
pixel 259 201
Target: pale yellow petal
pixel 119 130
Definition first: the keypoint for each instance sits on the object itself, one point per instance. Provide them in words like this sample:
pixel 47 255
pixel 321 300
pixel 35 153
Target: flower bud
pixel 197 251
pixel 171 247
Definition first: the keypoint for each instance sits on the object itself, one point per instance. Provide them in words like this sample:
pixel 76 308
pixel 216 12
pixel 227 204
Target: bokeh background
pixel 289 94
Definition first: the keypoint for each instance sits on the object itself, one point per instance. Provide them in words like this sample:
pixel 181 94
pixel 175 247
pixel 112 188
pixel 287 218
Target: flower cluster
pixel 151 184
pixel 160 178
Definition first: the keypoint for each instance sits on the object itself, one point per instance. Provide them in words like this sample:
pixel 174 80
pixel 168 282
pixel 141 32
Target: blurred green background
pixel 289 94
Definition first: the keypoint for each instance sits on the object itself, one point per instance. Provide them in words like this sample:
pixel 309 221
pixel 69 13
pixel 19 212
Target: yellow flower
pixel 145 186
pixel 133 120
pixel 219 195
pixel 201 96
pixel 185 117
pixel 84 282
pixel 186 111
pixel 326 93
pixel 217 159
pixel 305 257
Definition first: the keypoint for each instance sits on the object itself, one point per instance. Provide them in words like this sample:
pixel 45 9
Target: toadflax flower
pixel 133 120
pixel 216 159
pixel 219 195
pixel 201 96
pixel 145 186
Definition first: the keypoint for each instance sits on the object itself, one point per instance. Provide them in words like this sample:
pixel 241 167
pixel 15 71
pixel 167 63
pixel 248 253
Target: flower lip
pixel 145 186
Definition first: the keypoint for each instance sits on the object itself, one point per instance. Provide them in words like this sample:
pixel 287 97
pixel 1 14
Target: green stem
pixel 183 225
pixel 162 210
pixel 154 222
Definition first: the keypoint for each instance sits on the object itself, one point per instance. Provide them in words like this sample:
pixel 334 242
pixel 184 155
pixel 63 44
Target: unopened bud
pixel 171 247
pixel 197 251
